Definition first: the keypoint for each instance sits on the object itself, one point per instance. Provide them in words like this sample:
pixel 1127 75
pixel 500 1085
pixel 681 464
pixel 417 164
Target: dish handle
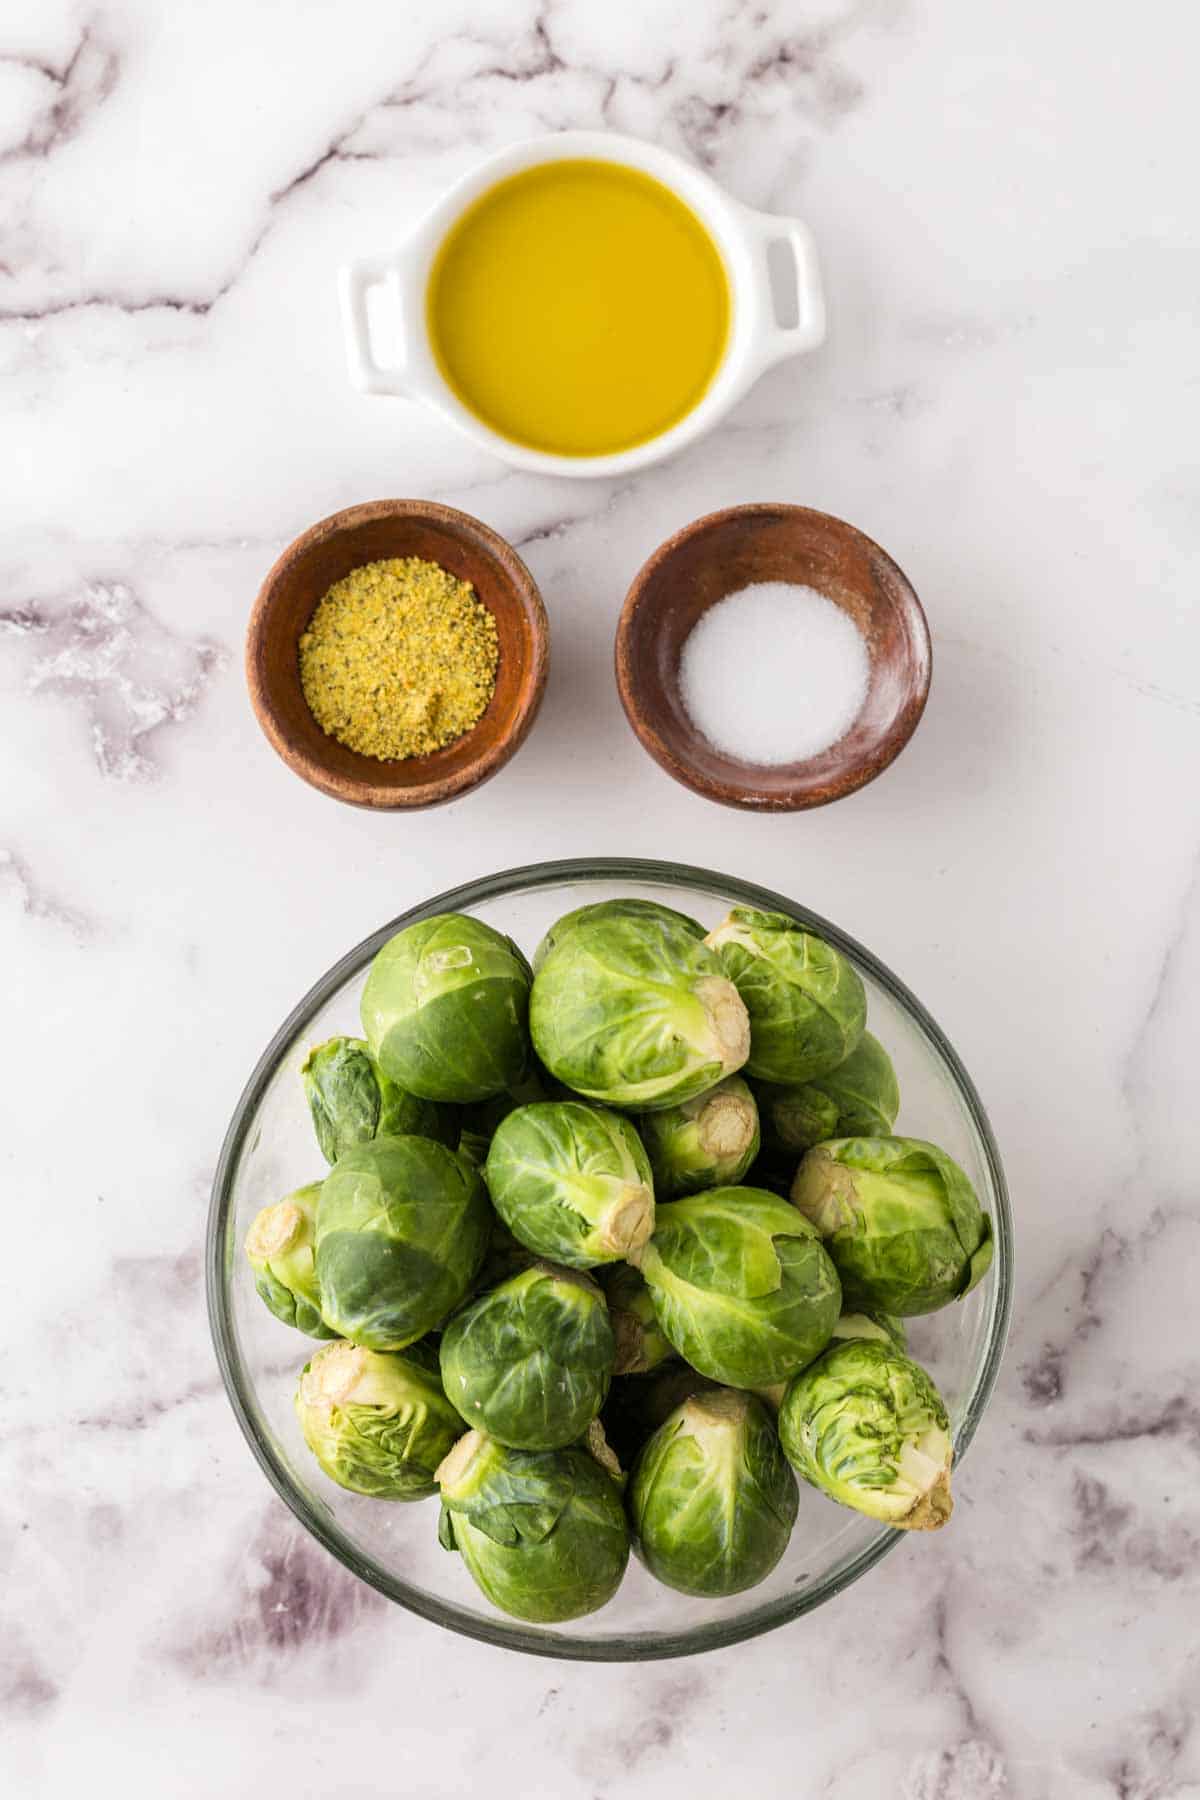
pixel 356 281
pixel 808 329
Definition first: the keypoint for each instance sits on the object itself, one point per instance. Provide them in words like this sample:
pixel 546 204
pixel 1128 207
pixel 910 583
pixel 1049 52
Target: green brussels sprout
pixel 878 1327
pixel 867 1426
pixel 572 1182
pixel 445 1009
pixel 279 1248
pixel 900 1220
pixel 352 1101
pixel 807 1005
pixel 377 1423
pixel 860 1098
pixel 612 909
pixel 634 1011
pixel 542 1532
pixel 402 1228
pixel 712 1500
pixel 530 1362
pixel 706 1142
pixel 638 1404
pixel 742 1285
pixel 640 1344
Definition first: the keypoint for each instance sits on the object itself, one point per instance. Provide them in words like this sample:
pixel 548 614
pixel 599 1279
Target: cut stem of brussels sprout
pixel 451 1472
pixel 709 1141
pixel 275 1230
pixel 340 1373
pixel 728 1021
pixel 280 1249
pixel 724 1123
pixel 627 1224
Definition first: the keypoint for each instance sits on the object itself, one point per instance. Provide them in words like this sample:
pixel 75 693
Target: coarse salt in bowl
pixel 774 673
pixel 737 711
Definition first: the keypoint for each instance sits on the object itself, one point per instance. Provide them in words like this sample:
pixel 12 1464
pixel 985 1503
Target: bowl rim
pixel 523 594
pixel 727 791
pixel 617 1646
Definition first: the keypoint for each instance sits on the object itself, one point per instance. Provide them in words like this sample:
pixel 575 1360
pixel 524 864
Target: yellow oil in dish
pixel 578 308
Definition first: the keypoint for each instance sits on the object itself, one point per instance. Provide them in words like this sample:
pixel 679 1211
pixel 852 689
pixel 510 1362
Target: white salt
pixel 774 673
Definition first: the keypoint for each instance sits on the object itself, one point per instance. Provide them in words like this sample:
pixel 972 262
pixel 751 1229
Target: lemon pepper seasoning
pixel 399 659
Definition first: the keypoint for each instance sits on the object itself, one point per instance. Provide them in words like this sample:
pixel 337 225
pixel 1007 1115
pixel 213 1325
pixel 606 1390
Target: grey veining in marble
pixel 1004 196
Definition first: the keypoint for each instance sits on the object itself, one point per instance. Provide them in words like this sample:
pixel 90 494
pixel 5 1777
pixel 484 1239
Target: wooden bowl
pixel 725 551
pixel 307 570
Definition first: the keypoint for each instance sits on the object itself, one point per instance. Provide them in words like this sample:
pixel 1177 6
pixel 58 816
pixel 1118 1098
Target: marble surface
pixel 1004 197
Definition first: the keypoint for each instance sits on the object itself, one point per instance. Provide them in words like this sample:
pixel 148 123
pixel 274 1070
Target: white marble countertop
pixel 1004 196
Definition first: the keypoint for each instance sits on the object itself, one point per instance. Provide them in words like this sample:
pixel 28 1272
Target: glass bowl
pixel 269 1150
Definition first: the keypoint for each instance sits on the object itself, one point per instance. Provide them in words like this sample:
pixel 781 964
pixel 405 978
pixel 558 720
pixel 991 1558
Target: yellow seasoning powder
pixel 399 659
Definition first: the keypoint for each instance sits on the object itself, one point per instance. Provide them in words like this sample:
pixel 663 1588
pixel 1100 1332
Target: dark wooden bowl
pixel 307 570
pixel 725 551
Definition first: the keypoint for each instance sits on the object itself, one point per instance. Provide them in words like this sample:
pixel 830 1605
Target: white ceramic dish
pixel 757 337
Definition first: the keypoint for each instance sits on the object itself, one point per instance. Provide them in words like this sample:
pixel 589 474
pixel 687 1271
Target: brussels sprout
pixel 402 1227
pixel 807 1005
pixel 542 1532
pixel 530 1362
pixel 279 1248
pixel 572 1182
pixel 633 1010
pixel 445 1009
pixel 877 1327
pixel 377 1424
pixel 352 1101
pixel 900 1220
pixel 638 1404
pixel 867 1426
pixel 712 1500
pixel 640 1344
pixel 612 909
pixel 860 1098
pixel 707 1142
pixel 744 1296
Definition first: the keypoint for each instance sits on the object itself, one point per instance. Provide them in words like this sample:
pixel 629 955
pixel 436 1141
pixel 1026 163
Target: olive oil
pixel 579 308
